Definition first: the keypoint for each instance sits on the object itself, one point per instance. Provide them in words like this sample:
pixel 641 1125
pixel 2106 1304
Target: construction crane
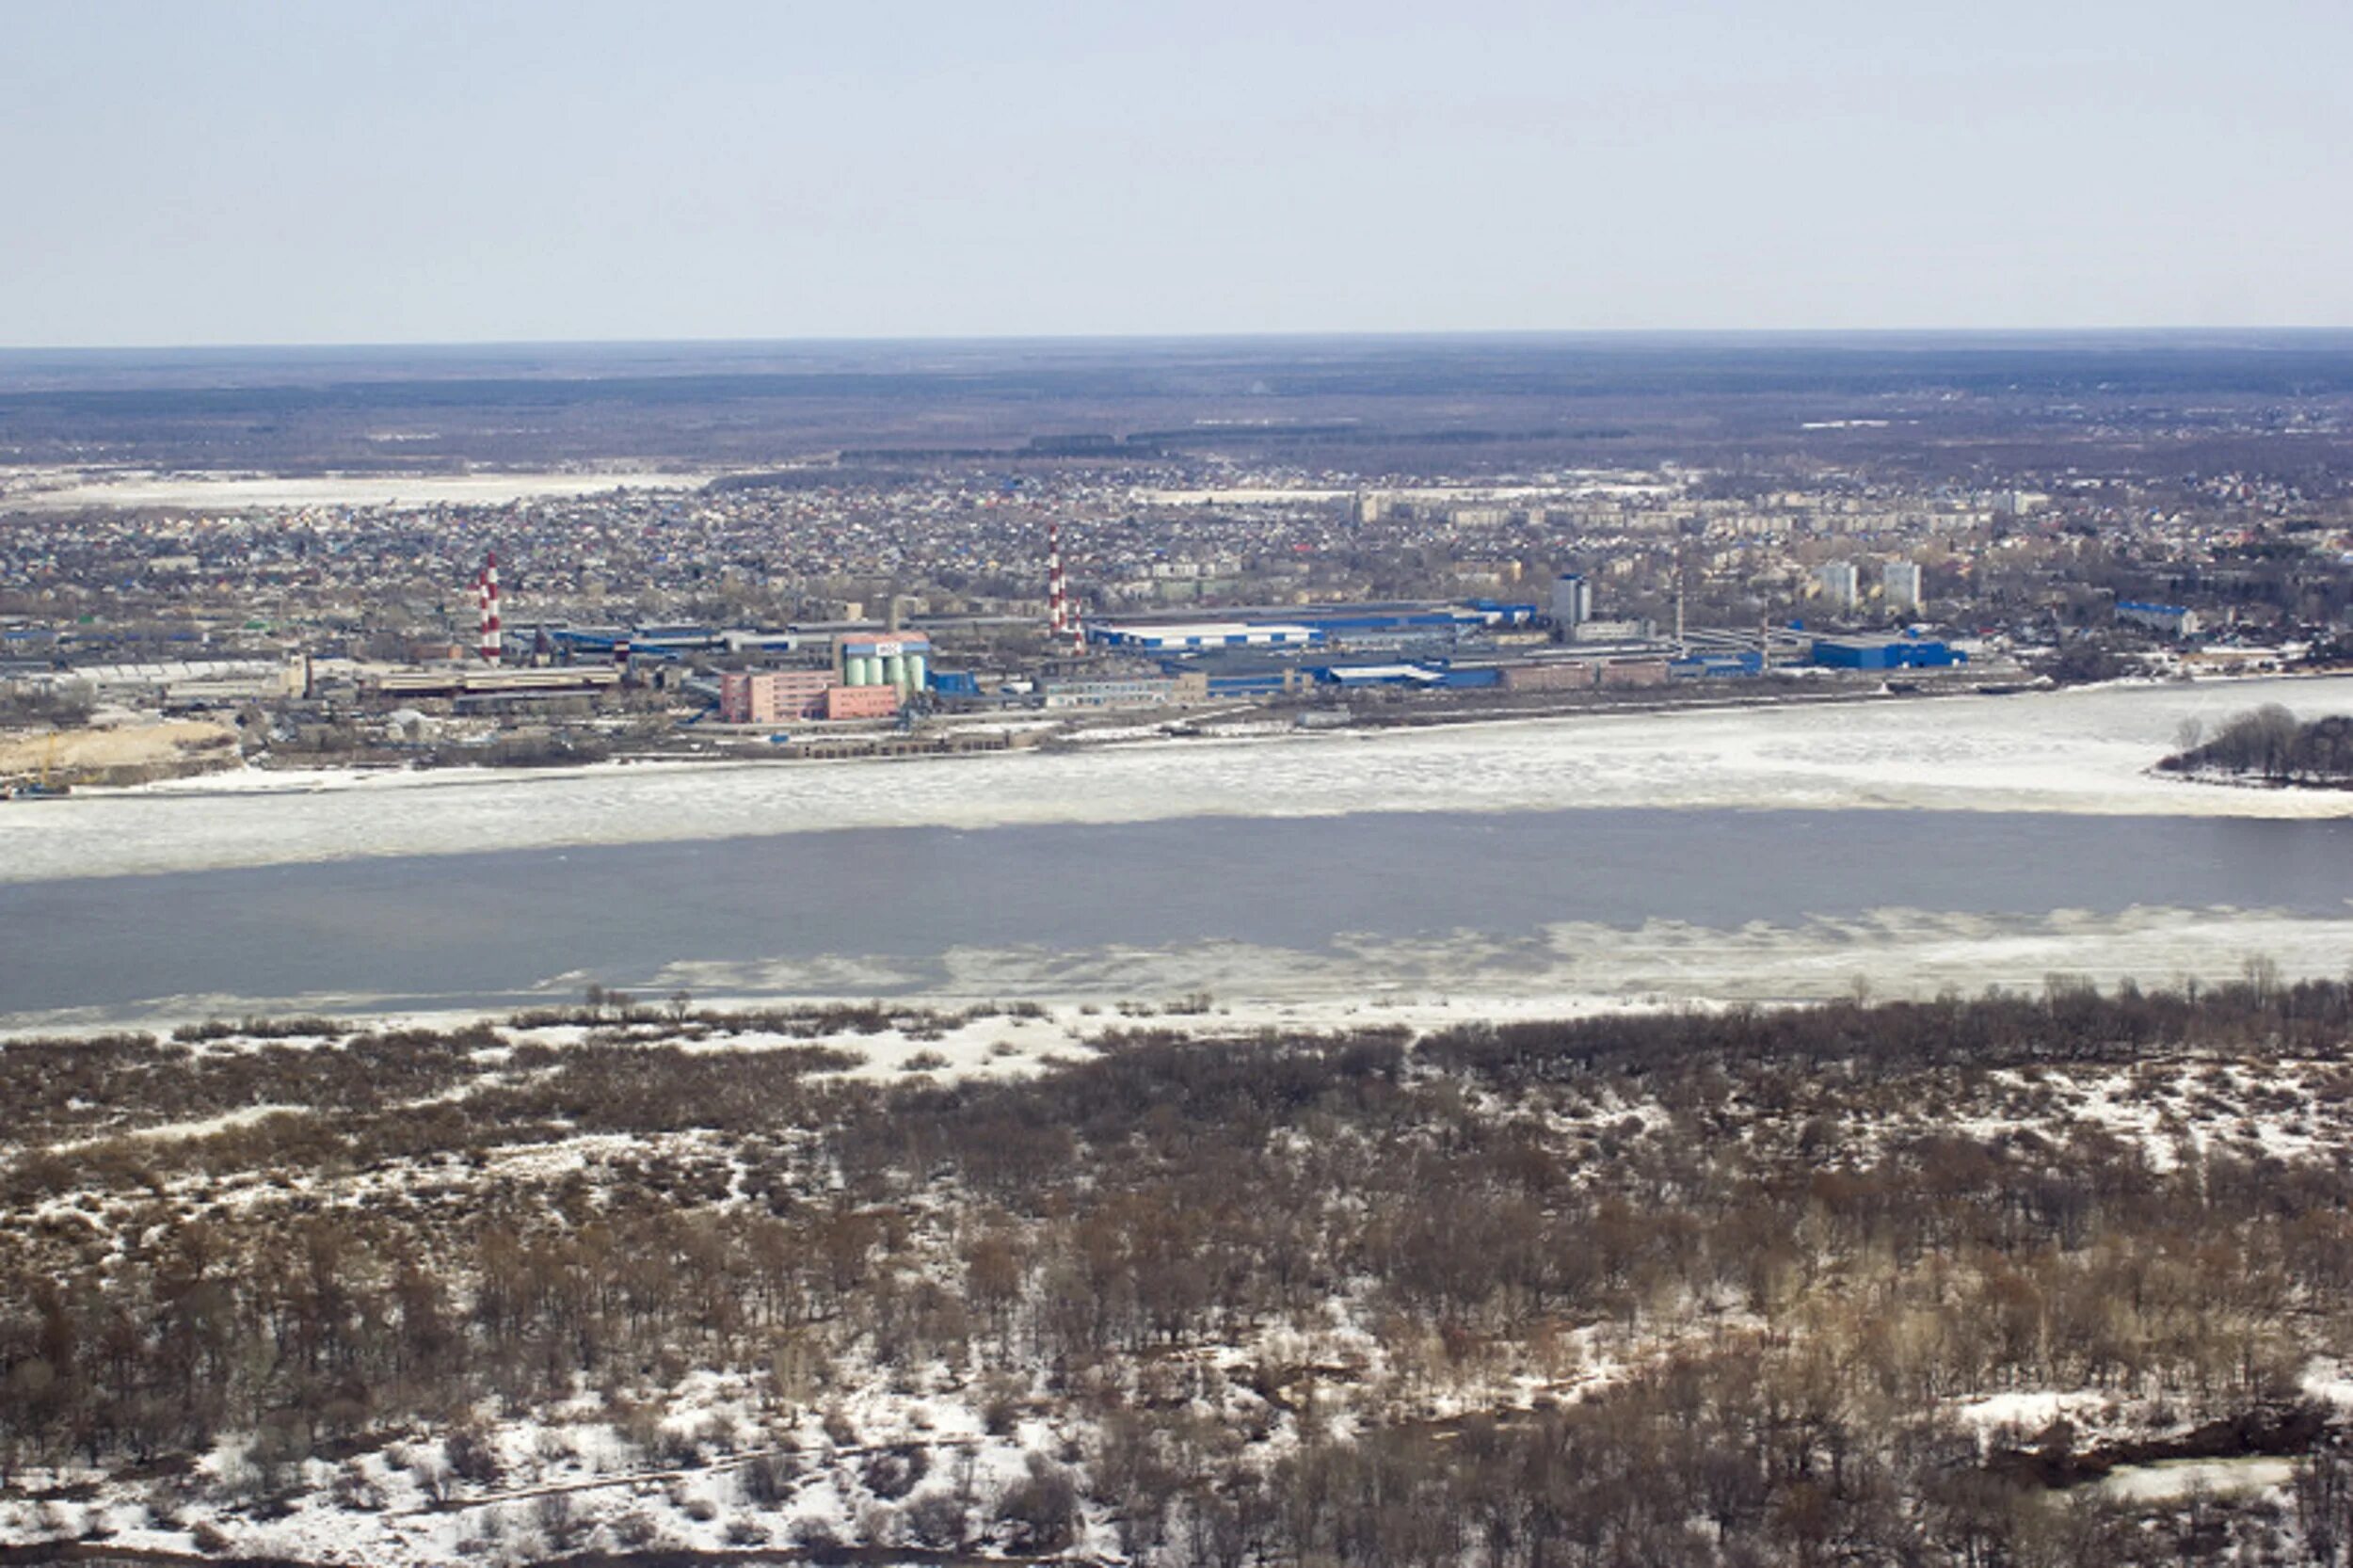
pixel 44 785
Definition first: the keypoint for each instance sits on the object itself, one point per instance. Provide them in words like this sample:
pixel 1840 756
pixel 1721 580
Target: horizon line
pixel 1622 334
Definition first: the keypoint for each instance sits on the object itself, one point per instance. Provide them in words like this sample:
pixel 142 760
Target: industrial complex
pixel 796 684
pixel 829 675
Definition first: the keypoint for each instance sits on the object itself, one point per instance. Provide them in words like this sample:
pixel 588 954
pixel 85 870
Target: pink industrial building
pixel 773 696
pixel 778 696
pixel 861 702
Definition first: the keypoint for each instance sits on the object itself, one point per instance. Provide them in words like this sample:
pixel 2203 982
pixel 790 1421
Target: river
pixel 1600 903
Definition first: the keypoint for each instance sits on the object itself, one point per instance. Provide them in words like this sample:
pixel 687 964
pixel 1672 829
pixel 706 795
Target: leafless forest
pixel 1722 1288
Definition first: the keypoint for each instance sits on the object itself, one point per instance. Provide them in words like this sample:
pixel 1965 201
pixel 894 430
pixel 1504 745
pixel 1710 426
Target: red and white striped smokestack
pixel 1061 618
pixel 486 591
pixel 1054 621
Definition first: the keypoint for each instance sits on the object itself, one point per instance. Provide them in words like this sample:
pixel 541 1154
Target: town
pixel 833 609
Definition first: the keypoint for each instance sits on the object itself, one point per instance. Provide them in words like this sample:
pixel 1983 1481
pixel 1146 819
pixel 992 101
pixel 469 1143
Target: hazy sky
pixel 180 172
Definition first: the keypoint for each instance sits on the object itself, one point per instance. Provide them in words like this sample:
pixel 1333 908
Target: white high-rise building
pixel 1900 582
pixel 1837 581
pixel 1571 601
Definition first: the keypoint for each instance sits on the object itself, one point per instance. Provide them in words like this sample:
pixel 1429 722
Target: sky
pixel 211 171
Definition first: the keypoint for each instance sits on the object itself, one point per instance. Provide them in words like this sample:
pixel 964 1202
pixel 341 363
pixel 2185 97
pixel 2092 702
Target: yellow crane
pixel 45 783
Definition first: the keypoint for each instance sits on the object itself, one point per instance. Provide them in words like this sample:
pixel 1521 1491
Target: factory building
pixel 1190 636
pixel 1354 625
pixel 959 686
pixel 1124 691
pixel 1584 674
pixel 2172 620
pixel 1885 653
pixel 1420 676
pixel 647 641
pixel 1257 682
pixel 473 682
pixel 899 660
pixel 861 702
pixel 1431 677
pixel 772 696
pixel 1718 666
pixel 1361 623
pixel 778 696
pixel 204 682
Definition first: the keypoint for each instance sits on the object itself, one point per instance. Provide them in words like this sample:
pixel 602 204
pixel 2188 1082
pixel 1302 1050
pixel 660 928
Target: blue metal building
pixel 1885 653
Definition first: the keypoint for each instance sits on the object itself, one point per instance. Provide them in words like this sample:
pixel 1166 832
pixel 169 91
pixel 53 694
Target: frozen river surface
pixel 1600 903
pixel 2084 752
pixel 1715 855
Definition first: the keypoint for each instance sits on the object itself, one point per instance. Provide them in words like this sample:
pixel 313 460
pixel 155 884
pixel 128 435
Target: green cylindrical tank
pixel 857 671
pixel 894 671
pixel 919 671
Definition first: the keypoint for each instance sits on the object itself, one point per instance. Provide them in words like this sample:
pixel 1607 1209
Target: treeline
pixel 2270 743
pixel 1764 1247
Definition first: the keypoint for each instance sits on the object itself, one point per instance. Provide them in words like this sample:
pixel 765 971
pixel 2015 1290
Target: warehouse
pixel 2173 620
pixel 1885 653
pixel 1379 675
pixel 1186 636
pixel 1718 666
pixel 477 681
pixel 1124 691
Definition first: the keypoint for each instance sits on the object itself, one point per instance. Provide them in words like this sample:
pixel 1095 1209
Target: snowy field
pixel 2080 751
pixel 51 491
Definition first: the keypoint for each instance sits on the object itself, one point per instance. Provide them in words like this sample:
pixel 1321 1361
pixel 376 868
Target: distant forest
pixel 1960 405
pixel 2270 743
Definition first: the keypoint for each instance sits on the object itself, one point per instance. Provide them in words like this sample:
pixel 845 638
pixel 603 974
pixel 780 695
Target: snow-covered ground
pixel 770 1457
pixel 66 491
pixel 2077 751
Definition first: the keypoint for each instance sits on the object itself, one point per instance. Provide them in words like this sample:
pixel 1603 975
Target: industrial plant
pixel 851 672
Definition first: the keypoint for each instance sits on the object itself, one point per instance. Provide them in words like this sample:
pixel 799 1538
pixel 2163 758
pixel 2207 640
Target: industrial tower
pixel 486 589
pixel 1060 619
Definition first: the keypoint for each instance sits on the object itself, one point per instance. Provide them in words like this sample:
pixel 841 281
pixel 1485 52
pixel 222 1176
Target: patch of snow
pixel 2169 1479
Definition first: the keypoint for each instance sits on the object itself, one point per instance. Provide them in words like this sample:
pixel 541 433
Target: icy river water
pixel 1733 852
pixel 1608 903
